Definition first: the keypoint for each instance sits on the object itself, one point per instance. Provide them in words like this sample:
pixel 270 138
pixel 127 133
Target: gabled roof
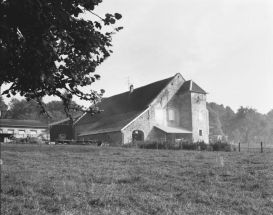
pixel 22 123
pixel 137 101
pixel 192 87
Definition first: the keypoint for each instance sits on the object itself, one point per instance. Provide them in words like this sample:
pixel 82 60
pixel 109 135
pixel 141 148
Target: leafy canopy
pixel 47 49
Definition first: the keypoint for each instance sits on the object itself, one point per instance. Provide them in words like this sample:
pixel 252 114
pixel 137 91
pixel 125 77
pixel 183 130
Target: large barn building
pixel 169 109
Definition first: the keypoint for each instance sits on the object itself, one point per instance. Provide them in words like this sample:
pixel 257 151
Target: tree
pixel 3 108
pixel 249 124
pixel 214 122
pixel 47 48
pixel 21 109
pixel 269 120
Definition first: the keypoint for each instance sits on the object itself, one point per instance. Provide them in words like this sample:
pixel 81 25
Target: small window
pixel 158 114
pixel 171 115
pixel 200 132
pixel 62 136
pixel 10 131
pixel 21 131
pixel 33 132
pixel 108 136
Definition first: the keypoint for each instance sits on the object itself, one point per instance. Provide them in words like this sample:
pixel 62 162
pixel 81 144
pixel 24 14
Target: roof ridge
pixel 141 87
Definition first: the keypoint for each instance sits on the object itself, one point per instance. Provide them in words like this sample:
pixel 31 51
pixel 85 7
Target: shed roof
pixel 22 123
pixel 173 130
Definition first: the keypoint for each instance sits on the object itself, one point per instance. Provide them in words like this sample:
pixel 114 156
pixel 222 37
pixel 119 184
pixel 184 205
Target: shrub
pixel 222 146
pixel 202 145
pixel 189 146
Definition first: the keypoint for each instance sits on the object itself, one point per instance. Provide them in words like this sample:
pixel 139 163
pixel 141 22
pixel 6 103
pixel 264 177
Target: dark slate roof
pixel 110 123
pixel 192 87
pixel 22 123
pixel 137 101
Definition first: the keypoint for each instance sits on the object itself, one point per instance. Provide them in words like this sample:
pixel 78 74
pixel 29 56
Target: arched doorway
pixel 137 135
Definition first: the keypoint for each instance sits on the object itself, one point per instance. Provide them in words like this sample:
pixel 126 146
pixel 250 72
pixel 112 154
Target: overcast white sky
pixel 225 46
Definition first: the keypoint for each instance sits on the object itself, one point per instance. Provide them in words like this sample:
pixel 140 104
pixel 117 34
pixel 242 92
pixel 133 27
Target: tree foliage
pixel 21 109
pixel 246 125
pixel 3 108
pixel 47 48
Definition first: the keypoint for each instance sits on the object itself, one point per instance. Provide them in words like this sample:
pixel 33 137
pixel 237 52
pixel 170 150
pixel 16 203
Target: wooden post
pixel 261 147
pixel 239 147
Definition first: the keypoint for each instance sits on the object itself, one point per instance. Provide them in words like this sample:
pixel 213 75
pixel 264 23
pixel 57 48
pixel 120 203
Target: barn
pixel 168 109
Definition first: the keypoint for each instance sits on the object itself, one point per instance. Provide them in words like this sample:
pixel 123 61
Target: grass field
pixel 78 180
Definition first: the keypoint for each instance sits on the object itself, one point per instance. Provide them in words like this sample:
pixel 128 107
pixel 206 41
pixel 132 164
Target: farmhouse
pixel 20 128
pixel 169 109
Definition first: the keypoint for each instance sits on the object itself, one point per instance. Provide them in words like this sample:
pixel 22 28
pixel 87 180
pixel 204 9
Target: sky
pixel 225 46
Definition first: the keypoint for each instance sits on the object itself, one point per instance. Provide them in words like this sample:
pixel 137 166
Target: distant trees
pixel 246 125
pixel 21 109
pixel 250 124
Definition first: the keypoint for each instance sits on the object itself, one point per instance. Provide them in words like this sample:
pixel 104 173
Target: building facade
pixel 63 130
pixel 169 109
pixel 20 129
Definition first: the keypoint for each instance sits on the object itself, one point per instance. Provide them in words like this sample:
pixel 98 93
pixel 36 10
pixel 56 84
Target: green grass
pixel 91 180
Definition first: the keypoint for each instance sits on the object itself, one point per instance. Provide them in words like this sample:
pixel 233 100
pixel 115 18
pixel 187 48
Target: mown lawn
pixel 70 180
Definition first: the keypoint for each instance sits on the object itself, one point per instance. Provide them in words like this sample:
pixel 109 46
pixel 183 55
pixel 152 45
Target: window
pixel 200 132
pixel 1 131
pixel 108 136
pixel 10 131
pixel 171 115
pixel 33 132
pixel 200 116
pixel 21 132
pixel 62 136
pixel 158 114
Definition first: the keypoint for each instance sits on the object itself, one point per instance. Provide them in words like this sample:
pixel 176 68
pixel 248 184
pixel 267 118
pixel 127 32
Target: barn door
pixel 137 135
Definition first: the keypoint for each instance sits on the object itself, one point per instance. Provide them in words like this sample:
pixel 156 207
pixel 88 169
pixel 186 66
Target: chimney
pixel 131 88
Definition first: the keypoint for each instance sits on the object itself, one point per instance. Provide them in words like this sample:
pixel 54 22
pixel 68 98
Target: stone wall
pixel 111 137
pixel 200 119
pixel 166 101
pixel 141 123
pixel 185 109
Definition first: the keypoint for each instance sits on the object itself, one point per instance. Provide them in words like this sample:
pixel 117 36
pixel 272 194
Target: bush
pixel 29 140
pixel 222 146
pixel 189 146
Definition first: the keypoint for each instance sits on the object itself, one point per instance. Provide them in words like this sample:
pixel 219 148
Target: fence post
pixel 239 146
pixel 261 147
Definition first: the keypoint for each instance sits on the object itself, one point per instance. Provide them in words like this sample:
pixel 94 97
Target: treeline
pixel 245 125
pixel 21 109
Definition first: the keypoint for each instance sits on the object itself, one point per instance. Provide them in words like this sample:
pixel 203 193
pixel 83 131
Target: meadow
pixel 74 180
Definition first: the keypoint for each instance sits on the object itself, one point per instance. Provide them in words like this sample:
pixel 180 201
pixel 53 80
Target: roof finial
pixel 190 85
